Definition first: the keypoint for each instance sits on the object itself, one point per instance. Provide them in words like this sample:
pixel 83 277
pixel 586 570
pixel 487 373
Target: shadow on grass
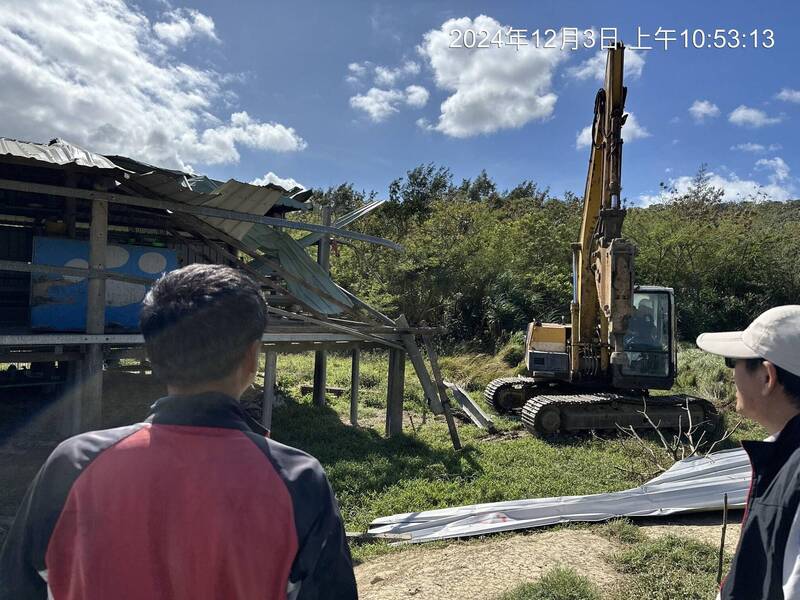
pixel 361 459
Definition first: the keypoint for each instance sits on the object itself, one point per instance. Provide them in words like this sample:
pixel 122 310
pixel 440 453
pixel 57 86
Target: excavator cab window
pixel 647 342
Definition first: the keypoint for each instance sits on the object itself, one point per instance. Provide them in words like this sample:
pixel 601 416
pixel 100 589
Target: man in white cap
pixel 766 362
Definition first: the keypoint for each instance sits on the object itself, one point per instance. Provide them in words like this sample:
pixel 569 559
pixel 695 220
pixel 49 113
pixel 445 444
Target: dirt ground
pixel 485 569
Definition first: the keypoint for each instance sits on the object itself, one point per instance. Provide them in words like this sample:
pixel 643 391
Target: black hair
pixel 789 381
pixel 198 321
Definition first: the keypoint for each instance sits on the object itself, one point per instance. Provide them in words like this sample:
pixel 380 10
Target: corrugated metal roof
pixel 58 152
pixel 241 197
pixel 296 260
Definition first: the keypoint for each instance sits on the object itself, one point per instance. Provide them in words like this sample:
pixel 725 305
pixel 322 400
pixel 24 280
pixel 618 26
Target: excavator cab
pixel 650 341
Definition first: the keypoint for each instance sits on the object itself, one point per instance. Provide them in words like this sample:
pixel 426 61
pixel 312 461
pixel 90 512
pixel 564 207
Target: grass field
pixel 374 476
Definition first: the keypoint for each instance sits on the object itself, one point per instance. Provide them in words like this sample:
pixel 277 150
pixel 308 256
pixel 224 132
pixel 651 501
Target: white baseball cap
pixel 773 336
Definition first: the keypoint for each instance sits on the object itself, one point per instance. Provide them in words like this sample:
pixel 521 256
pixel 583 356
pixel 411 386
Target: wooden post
pixel 394 392
pixel 355 382
pixel 321 357
pixel 270 373
pixel 445 401
pixel 91 406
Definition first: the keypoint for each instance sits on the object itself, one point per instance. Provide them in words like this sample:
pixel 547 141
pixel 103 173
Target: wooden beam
pixel 206 211
pixel 419 366
pixel 25 267
pixel 270 376
pixel 355 384
pixel 394 392
pixel 442 390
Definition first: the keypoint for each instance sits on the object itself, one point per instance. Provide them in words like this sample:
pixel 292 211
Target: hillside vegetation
pixel 481 263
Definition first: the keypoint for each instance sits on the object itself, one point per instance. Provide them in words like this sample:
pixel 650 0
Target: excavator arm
pixel 602 260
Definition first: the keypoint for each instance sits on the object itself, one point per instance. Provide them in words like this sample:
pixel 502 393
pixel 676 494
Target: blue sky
pixel 326 92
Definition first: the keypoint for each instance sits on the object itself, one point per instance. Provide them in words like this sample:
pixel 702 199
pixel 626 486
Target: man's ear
pixel 770 378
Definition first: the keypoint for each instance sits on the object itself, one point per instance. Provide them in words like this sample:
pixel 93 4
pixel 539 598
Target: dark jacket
pixel 757 567
pixel 191 503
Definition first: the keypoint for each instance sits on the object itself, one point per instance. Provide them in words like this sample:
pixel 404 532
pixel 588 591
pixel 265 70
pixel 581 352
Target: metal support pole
pixel 394 392
pixel 92 379
pixel 355 383
pixel 270 375
pixel 321 357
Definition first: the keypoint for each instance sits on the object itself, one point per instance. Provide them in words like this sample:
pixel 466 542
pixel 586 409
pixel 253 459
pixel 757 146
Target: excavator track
pixel 509 394
pixel 568 413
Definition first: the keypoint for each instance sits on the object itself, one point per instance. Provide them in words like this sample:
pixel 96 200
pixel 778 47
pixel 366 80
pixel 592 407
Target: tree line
pixel 481 263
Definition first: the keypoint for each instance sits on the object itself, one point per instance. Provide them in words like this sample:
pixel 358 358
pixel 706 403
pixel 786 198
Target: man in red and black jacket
pixel 192 502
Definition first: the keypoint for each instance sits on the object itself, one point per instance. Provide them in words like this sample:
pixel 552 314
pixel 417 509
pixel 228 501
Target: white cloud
pixel 751 117
pixel 388 77
pixel 183 24
pixel 416 96
pixel 778 167
pixel 789 95
pixel 286 183
pixel 491 89
pixel 94 72
pixel 631 130
pixel 756 148
pixel 595 67
pixel 733 188
pixel 380 104
pixel 702 110
pixel 357 71
pixel 584 138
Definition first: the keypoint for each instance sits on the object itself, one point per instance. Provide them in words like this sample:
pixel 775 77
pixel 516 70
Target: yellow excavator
pixel 596 373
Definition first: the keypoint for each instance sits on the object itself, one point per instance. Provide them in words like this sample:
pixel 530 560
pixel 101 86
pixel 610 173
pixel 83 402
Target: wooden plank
pixel 206 211
pixel 394 393
pixel 25 267
pixel 270 375
pixel 92 401
pixel 419 366
pixel 355 384
pixel 470 408
pixel 442 389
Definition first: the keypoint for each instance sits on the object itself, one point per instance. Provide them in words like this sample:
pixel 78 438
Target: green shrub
pixel 559 583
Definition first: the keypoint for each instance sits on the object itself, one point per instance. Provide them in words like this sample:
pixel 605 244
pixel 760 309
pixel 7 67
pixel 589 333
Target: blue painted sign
pixel 58 302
